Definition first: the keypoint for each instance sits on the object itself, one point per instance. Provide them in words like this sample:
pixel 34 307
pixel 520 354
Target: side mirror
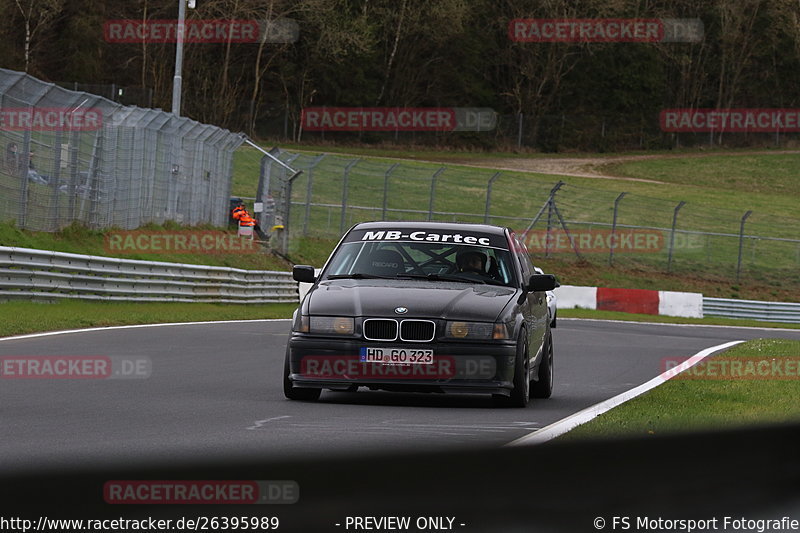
pixel 303 273
pixel 541 283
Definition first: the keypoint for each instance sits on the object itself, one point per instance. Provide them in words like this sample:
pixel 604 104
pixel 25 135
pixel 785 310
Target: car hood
pixel 378 298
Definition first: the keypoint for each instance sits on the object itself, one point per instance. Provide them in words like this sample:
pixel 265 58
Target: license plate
pixel 397 356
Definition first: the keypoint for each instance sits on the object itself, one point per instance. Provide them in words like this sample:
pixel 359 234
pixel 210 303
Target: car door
pixel 524 304
pixel 535 305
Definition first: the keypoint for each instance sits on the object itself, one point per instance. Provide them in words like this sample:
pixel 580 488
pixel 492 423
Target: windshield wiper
pixel 357 275
pixel 492 281
pixel 456 278
pixel 439 277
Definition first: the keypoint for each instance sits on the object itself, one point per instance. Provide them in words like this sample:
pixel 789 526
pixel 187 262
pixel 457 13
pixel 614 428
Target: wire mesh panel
pixel 71 156
pixel 557 220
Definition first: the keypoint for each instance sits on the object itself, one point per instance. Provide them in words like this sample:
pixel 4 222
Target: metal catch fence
pixel 569 222
pixel 70 156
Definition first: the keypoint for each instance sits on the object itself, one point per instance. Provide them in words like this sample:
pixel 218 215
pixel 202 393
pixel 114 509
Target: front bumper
pixel 334 363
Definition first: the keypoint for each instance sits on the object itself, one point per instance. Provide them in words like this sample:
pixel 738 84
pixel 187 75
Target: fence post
pixel 386 189
pixel 433 191
pixel 55 179
pixel 24 163
pixel 310 191
pixel 93 217
pixel 519 130
pixel 489 197
pixel 74 145
pixel 741 243
pixel 266 218
pixel 288 211
pixel 612 241
pixel 548 239
pixel 286 188
pixel 546 205
pixel 345 190
pixel 550 204
pixel 672 235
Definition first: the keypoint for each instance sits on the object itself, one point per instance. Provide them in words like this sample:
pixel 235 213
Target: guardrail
pixel 31 274
pixel 752 309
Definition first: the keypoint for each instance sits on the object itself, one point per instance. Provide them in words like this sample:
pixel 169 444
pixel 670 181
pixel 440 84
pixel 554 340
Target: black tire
pixel 544 387
pixel 521 394
pixel 289 390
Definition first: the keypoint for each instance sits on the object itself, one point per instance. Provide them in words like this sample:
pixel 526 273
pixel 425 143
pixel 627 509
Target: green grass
pixel 246 171
pixel 706 404
pixel 80 240
pixel 771 174
pixel 520 194
pixel 765 183
pixel 17 318
pixel 707 180
pixel 635 317
pixel 445 153
pixel 714 204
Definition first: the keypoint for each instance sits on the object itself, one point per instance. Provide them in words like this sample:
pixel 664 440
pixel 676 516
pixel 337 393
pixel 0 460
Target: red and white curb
pixel 642 301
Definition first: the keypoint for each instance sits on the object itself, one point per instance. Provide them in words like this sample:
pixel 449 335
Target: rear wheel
pixel 289 390
pixel 521 393
pixel 544 387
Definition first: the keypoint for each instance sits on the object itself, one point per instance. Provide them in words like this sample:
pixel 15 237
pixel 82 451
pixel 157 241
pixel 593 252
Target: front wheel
pixel 289 390
pixel 521 393
pixel 544 387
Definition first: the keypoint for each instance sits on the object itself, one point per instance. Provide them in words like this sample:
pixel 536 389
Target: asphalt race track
pixel 215 393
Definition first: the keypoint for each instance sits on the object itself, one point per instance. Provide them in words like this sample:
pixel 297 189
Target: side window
pixel 521 253
pixel 526 256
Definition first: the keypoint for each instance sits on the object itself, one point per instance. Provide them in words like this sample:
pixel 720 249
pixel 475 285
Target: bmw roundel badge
pixel 401 310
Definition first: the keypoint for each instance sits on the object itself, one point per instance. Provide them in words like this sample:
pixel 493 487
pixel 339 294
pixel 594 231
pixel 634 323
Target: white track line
pixel 581 417
pixel 133 326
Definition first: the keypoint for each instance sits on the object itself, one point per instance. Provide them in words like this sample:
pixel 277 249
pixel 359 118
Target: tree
pixel 37 17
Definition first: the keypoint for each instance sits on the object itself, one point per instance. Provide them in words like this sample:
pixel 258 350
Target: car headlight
pixel 325 325
pixel 476 330
pixel 300 323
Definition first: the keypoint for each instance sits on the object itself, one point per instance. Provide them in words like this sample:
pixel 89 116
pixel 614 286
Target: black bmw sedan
pixel 425 307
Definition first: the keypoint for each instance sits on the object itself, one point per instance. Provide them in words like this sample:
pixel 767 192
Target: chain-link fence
pixel 72 156
pixel 574 223
pixel 138 96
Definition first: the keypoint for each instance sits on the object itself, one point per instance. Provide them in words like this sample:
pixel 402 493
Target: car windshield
pixel 422 260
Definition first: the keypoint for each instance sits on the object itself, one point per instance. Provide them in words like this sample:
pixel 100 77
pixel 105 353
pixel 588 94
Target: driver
pixel 471 261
